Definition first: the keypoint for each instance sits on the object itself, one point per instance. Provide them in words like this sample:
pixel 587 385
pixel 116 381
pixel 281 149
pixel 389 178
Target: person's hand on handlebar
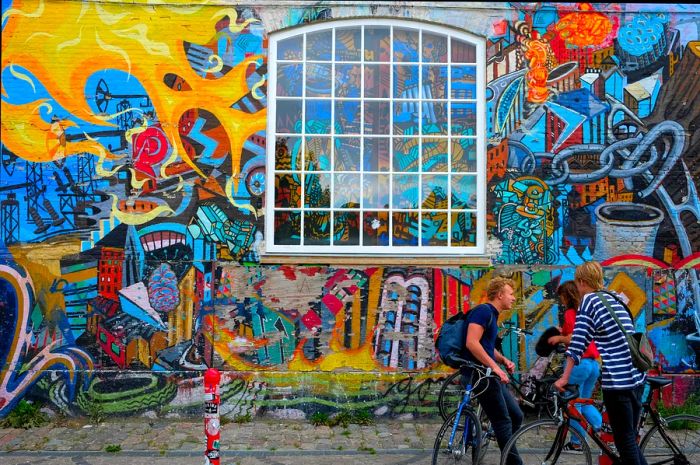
pixel 560 384
pixel 502 376
pixel 510 366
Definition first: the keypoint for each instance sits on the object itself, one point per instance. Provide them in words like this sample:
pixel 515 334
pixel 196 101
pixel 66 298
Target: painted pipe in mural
pixel 212 429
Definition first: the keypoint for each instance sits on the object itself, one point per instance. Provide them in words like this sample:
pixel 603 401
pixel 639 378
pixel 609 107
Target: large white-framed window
pixel 376 139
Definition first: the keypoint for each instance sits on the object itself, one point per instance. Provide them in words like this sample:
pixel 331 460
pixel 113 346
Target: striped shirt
pixel 593 321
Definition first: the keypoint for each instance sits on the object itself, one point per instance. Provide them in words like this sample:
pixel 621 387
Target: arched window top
pixel 385 40
pixel 378 129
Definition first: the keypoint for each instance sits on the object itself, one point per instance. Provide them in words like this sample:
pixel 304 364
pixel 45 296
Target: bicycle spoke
pixel 536 443
pixel 683 431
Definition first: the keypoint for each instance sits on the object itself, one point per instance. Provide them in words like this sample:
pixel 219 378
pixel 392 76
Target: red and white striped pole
pixel 211 416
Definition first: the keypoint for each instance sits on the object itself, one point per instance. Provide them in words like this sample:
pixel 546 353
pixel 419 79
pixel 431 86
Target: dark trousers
pixel 624 409
pixel 503 412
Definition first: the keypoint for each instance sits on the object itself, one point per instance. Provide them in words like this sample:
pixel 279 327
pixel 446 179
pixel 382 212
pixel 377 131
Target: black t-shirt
pixel 485 315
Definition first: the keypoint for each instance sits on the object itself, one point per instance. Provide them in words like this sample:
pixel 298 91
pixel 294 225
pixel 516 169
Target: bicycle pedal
pixel 527 403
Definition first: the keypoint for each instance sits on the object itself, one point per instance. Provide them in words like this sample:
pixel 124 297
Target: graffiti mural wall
pixel 132 205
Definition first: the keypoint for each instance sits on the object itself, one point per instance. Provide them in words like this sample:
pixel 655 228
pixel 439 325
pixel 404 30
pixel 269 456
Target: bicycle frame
pixel 464 403
pixel 572 413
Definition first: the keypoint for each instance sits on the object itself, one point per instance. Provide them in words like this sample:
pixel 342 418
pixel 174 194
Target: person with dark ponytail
pixel 586 373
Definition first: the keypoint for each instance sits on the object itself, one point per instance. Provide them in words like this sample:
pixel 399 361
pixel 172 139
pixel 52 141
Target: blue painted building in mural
pixel 301 195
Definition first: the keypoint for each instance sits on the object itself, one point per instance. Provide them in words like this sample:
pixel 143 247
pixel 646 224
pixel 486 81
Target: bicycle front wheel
pixel 540 442
pixel 466 445
pixel 684 431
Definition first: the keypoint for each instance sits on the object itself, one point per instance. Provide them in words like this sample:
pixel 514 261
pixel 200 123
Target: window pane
pixel 347 117
pixel 288 118
pixel 317 230
pixel 346 228
pixel 288 228
pixel 406 154
pixel 434 120
pixel 377 43
pixel 435 154
pixel 405 44
pixel 405 118
pixel 375 191
pixel 463 229
pixel 317 156
pixel 405 228
pixel 287 156
pixel 464 155
pixel 376 154
pixel 434 230
pixel 377 117
pixel 347 154
pixel 377 81
pixel 434 48
pixel 318 80
pixel 347 80
pixel 405 191
pixel 291 48
pixel 287 191
pixel 463 192
pixel 289 80
pixel 463 82
pixel 348 42
pixel 406 81
pixel 434 192
pixel 317 190
pixel 463 52
pixel 375 228
pixel 318 116
pixel 434 82
pixel 318 45
pixel 464 119
pixel 347 191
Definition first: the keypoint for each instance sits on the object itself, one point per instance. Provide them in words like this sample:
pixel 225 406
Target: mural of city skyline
pixel 133 184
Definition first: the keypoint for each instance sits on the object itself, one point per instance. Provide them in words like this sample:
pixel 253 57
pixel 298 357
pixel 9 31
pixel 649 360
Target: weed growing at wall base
pixel 25 415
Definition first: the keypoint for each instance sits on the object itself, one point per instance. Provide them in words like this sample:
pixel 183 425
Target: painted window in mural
pixel 378 130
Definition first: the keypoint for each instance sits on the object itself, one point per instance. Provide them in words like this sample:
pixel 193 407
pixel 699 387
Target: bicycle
pixel 533 393
pixel 666 442
pixel 464 426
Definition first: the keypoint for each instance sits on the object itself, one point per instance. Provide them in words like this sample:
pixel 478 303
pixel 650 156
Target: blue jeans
pixel 624 408
pixel 502 410
pixel 585 375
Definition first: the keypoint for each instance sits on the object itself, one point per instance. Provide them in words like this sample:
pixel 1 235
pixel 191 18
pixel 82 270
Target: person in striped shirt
pixel 622 383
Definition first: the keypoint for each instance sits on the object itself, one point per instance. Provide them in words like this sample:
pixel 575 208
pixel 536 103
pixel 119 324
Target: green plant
pixel 343 419
pixel 25 415
pixel 371 450
pixel 113 448
pixel 363 417
pixel 319 418
pixel 691 406
pixel 240 419
pixel 95 412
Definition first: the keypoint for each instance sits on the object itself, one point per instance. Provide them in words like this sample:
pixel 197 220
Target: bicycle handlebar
pixel 570 393
pixel 510 327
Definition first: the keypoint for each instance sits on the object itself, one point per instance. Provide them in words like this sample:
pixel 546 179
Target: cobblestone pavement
pixel 263 441
pixel 138 440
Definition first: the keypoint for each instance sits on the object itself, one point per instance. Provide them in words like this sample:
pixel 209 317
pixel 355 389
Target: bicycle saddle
pixel 658 381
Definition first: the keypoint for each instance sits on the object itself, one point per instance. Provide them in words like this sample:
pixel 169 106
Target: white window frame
pixel 386 250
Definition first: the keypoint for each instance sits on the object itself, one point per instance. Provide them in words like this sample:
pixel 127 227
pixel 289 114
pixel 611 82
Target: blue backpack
pixel 451 341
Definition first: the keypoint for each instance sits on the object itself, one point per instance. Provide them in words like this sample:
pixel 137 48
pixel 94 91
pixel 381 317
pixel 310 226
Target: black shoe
pixel 570 447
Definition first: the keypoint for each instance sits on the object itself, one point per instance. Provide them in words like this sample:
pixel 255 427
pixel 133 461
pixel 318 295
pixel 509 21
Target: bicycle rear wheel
pixel 538 443
pixel 466 445
pixel 450 395
pixel 684 431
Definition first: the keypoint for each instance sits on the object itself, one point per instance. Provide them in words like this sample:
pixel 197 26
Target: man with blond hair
pixel 622 383
pixel 482 330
